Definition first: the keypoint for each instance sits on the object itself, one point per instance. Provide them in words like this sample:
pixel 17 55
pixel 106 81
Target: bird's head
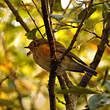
pixel 34 44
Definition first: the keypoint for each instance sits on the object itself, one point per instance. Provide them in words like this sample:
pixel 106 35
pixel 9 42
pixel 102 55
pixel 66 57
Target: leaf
pixel 28 6
pixel 76 90
pixel 74 21
pixel 57 5
pixel 31 34
pixel 98 100
pixel 107 85
pixel 58 17
pixel 91 11
pixel 7 89
pixel 106 11
pixel 10 84
pixel 4 102
pixel 74 9
pixel 2 5
pixel 80 16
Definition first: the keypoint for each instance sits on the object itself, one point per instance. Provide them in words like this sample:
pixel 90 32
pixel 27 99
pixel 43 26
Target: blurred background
pixel 23 84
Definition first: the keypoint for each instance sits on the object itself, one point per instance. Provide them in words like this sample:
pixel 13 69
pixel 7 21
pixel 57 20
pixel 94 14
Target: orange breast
pixel 42 56
pixel 45 50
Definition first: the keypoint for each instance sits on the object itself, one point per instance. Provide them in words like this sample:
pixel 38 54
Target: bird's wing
pixel 60 48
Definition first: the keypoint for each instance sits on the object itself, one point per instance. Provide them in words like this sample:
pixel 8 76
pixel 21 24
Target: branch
pixel 99 54
pixel 105 76
pixel 52 3
pixel 101 3
pixel 64 13
pixel 67 7
pixel 91 33
pixel 60 101
pixel 18 17
pixel 32 19
pixel 78 30
pixel 108 44
pixel 37 8
pixel 70 99
pixel 102 45
pixel 48 28
pixel 13 77
pixel 67 80
pixel 50 37
pixel 3 80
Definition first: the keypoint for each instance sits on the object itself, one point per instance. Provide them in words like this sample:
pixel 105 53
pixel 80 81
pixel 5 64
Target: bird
pixel 40 50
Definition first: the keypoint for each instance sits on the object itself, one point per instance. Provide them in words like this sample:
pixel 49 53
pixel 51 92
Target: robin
pixel 41 54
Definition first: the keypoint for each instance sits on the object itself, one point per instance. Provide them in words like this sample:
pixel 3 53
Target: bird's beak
pixel 29 53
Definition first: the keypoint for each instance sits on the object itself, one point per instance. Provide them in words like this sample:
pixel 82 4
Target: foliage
pixel 24 83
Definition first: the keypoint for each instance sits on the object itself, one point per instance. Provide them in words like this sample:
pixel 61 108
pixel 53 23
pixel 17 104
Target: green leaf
pixel 31 34
pixel 58 17
pixel 74 9
pixel 80 16
pixel 98 100
pixel 10 84
pixel 57 5
pixel 76 90
pixel 74 21
pixel 107 85
pixel 106 11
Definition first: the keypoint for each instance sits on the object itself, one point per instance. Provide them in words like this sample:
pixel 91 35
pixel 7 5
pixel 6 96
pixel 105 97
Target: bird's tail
pixel 79 67
pixel 88 69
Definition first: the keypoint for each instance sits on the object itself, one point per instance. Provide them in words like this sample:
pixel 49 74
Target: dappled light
pixel 78 26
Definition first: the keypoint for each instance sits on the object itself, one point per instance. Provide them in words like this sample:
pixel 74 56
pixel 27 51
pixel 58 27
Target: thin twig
pixel 95 35
pixel 67 80
pixel 78 30
pixel 67 7
pixel 105 76
pixel 63 14
pixel 108 44
pixel 91 33
pixel 18 17
pixel 3 80
pixel 100 3
pixel 52 4
pixel 60 101
pixel 64 24
pixel 37 8
pixel 13 77
pixel 32 19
